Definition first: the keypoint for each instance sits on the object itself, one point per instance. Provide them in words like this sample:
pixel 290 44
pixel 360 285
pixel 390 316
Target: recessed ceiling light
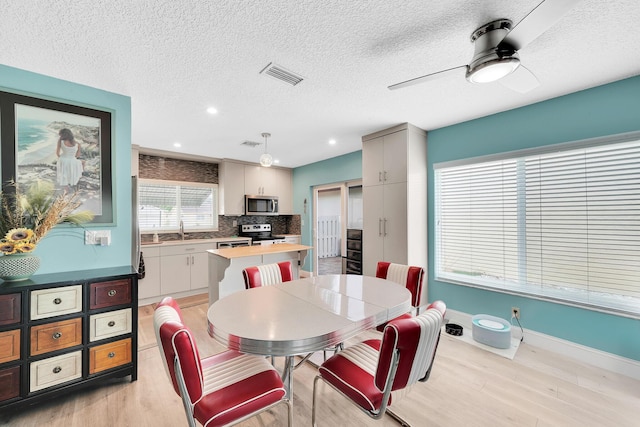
pixel 177 144
pixel 332 142
pixel 212 110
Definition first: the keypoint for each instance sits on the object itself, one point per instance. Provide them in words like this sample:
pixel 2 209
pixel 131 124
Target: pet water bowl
pixel 491 330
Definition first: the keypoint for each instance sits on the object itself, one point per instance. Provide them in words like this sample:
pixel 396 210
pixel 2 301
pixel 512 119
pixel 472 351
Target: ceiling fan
pixel 496 47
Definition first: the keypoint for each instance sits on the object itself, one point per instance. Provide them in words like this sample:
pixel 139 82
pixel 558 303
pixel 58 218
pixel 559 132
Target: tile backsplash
pixel 156 167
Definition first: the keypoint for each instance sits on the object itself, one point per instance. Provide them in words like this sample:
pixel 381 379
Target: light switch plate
pixel 97 237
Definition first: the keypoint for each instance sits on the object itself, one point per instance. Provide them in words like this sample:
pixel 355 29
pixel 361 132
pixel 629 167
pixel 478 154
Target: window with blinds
pixel 562 224
pixel 163 204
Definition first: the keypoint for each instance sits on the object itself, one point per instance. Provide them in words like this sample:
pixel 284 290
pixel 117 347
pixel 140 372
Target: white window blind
pixel 163 204
pixel 563 225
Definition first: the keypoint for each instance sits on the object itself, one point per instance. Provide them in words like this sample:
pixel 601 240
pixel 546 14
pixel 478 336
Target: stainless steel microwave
pixel 260 205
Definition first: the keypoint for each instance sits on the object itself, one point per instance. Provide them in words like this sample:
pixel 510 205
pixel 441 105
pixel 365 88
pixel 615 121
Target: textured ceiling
pixel 176 58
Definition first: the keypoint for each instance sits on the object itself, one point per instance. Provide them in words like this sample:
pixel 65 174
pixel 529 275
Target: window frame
pixel 179 206
pixel 525 289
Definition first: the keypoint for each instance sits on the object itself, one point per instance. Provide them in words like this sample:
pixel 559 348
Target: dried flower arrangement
pixel 27 217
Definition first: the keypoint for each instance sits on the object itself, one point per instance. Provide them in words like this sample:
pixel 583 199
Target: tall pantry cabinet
pixel 394 179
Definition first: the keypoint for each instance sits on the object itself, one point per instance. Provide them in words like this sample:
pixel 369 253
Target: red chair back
pixel 416 339
pixel 405 275
pixel 267 274
pixel 177 341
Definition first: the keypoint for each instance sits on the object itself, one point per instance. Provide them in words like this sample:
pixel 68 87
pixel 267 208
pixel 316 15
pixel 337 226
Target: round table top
pixel 305 315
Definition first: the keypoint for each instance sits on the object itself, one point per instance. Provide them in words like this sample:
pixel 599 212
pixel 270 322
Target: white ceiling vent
pixel 251 144
pixel 282 74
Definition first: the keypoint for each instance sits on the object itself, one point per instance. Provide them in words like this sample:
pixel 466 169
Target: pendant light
pixel 266 160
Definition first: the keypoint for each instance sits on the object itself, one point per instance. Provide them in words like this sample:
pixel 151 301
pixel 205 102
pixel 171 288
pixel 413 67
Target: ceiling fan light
pixel 493 70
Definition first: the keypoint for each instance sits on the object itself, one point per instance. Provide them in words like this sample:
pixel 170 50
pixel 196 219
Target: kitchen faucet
pixel 181 229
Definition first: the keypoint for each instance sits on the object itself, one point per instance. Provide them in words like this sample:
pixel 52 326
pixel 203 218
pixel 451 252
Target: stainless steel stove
pixel 260 234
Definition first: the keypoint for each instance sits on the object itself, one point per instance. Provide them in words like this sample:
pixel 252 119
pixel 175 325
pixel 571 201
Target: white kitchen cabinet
pixel 385 233
pixel 231 188
pixel 394 171
pixel 386 159
pixel 237 179
pixel 150 285
pixel 183 268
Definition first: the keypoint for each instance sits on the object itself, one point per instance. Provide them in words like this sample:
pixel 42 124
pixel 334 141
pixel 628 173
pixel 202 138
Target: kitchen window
pixel 560 223
pixel 162 205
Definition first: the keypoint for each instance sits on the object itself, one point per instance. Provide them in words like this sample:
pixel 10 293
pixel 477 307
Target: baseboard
pixel 304 274
pixel 158 298
pixel 581 353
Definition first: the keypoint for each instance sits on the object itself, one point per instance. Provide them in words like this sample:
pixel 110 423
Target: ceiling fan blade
pixel 539 20
pixel 521 80
pixel 432 76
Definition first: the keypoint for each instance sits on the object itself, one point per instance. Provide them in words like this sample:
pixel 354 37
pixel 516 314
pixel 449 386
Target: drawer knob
pixel 111 324
pixel 111 355
pixel 112 292
pixel 57 335
pixel 57 370
pixel 57 301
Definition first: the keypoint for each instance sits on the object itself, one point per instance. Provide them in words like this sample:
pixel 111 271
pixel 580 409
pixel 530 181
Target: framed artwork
pixel 67 145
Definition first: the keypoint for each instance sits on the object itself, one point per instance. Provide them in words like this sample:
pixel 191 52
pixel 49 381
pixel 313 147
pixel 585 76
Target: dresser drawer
pixel 10 309
pixel 56 336
pixel 9 345
pixel 107 294
pixel 55 370
pixel 107 356
pixel 56 301
pixel 110 324
pixel 9 383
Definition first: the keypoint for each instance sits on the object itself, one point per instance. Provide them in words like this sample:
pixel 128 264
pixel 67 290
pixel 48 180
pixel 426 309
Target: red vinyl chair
pixel 267 274
pixel 219 390
pixel 405 275
pixel 368 372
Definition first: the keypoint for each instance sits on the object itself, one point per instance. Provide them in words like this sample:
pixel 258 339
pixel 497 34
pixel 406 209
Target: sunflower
pixel 19 234
pixel 8 248
pixel 25 247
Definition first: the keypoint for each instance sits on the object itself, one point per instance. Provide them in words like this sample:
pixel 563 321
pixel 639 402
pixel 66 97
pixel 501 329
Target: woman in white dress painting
pixel 69 167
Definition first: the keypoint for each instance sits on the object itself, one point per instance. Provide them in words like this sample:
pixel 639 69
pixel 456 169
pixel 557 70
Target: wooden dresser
pixel 63 331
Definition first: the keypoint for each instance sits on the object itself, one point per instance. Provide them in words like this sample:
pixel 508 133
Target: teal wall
pixel 601 111
pixel 338 169
pixel 63 249
pixel 604 110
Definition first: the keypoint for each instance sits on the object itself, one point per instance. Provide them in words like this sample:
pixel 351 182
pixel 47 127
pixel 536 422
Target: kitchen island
pixel 226 265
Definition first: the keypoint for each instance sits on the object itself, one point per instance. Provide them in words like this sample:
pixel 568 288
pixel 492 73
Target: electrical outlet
pixel 515 312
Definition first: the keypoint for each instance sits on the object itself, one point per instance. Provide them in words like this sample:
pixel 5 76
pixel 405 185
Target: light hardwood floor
pixel 468 387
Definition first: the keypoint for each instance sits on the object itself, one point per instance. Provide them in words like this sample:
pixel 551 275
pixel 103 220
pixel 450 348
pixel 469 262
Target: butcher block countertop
pixel 245 251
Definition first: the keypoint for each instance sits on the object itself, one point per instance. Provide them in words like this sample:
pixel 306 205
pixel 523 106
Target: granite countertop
pixel 195 241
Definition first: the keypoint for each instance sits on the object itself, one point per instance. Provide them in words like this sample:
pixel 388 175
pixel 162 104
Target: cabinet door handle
pixel 385 226
pixel 379 226
pixel 188 261
pixel 379 176
pixel 56 335
pixel 193 260
pixel 385 176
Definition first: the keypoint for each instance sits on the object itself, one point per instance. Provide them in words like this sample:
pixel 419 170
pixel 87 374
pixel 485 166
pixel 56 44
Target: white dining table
pixel 304 316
